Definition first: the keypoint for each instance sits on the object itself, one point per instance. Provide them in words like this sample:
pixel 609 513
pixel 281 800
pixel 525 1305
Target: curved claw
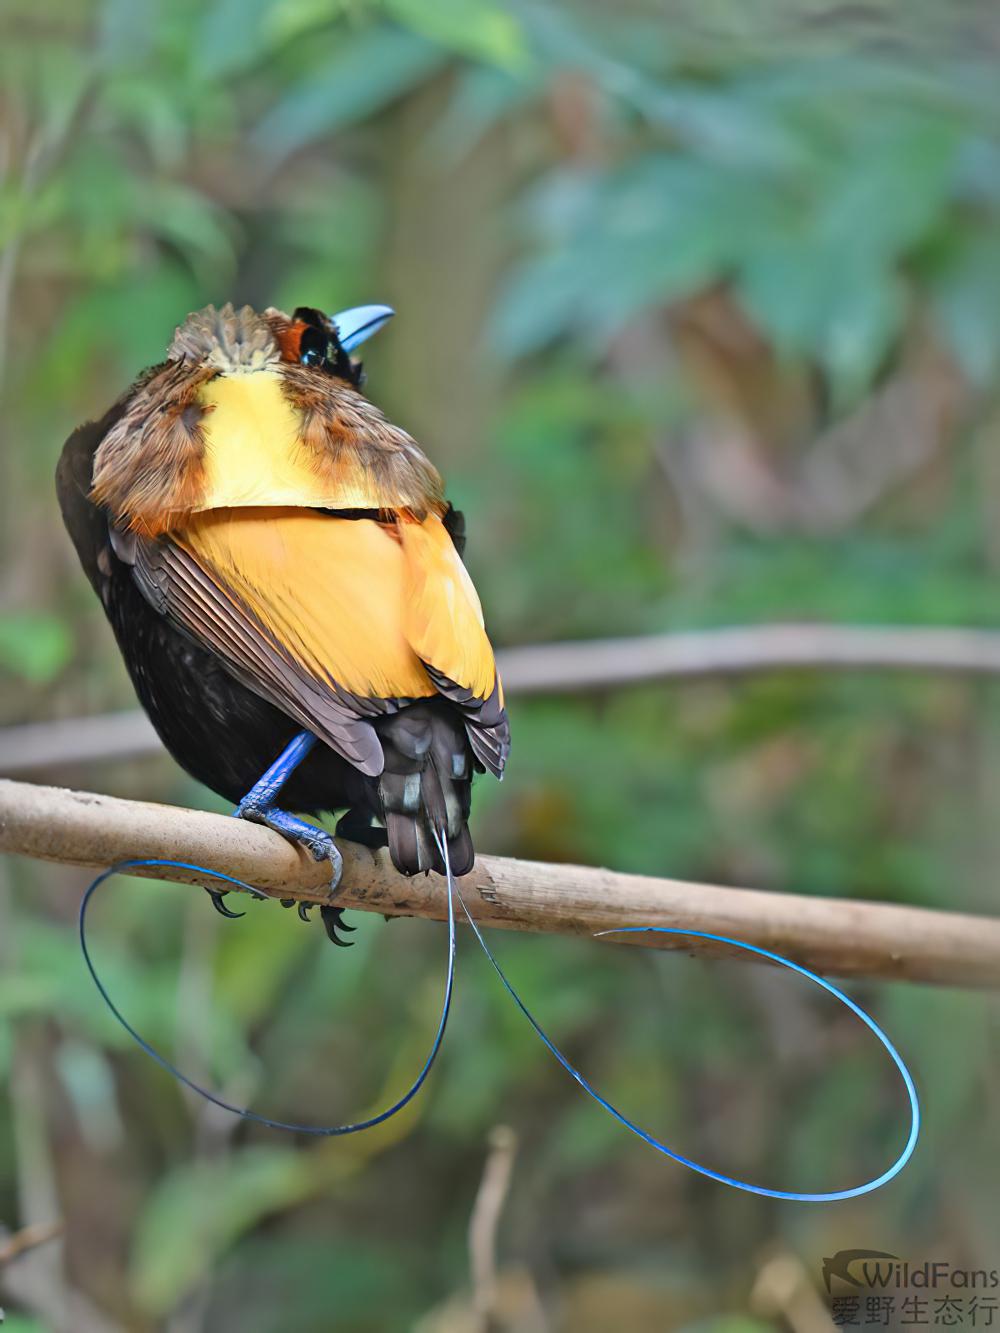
pixel 329 851
pixel 333 920
pixel 287 902
pixel 219 903
pixel 304 912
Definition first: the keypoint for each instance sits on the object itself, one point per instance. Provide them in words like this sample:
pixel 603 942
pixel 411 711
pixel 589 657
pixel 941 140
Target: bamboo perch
pixel 830 935
pixel 586 667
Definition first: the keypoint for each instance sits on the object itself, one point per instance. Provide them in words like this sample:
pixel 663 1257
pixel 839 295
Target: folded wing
pixel 335 620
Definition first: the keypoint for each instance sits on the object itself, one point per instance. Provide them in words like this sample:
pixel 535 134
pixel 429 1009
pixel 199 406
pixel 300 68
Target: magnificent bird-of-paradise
pixel 283 576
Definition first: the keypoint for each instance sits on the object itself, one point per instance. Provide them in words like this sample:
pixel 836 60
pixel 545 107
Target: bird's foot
pixel 320 846
pixel 218 897
pixel 317 842
pixel 304 908
pixel 333 920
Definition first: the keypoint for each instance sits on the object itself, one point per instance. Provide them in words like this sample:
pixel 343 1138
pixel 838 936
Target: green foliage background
pixel 699 311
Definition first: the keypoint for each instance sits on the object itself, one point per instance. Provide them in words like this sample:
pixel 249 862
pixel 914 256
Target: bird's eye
pixel 315 348
pixel 319 347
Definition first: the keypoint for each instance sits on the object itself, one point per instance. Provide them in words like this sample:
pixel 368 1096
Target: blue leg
pixel 262 795
pixel 260 806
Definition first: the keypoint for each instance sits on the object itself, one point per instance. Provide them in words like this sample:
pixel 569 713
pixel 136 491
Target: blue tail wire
pixel 792 1196
pixel 319 1131
pixel 280 770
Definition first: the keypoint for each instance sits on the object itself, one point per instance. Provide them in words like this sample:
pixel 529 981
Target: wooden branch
pixel 584 667
pixel 840 936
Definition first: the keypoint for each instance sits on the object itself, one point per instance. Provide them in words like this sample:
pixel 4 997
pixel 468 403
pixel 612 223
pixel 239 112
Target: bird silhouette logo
pixel 839 1265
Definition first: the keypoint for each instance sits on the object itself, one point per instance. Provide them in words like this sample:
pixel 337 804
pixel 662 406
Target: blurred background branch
pixel 483 1223
pixel 585 667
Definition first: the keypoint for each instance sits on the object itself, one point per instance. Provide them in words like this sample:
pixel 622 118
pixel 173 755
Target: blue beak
pixel 357 325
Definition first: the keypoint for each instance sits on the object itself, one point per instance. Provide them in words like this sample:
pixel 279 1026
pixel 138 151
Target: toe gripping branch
pixel 260 805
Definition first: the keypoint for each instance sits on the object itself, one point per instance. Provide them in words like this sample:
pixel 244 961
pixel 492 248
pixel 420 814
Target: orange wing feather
pixel 356 607
pixel 443 617
pixel 329 590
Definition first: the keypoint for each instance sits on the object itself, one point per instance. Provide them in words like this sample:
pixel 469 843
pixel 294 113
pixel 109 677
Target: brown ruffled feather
pixel 336 418
pixel 148 468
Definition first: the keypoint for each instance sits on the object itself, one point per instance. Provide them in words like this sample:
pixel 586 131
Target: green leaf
pixel 231 36
pixel 862 322
pixel 34 646
pixel 837 306
pixel 478 28
pixel 966 299
pixel 91 327
pixel 201 1209
pixel 484 96
pixel 889 187
pixel 368 70
pixel 28 993
pixel 659 229
pixel 192 222
pixel 6 1048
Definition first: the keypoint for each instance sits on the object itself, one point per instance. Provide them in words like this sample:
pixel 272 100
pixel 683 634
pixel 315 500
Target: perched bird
pixel 283 576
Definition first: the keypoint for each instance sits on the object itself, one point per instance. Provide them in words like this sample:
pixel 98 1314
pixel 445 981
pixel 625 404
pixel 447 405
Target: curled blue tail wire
pixel 319 1131
pixel 330 1131
pixel 793 1196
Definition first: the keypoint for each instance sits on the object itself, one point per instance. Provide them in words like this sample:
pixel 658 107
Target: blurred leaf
pixel 151 109
pixel 126 30
pixel 889 187
pixel 232 34
pixel 193 223
pixel 197 1212
pixel 482 29
pixel 6 1047
pixel 841 308
pixel 367 70
pixel 292 19
pixel 25 993
pixel 144 988
pixel 485 96
pixel 966 294
pixel 659 229
pixel 87 1077
pixel 33 645
pixel 368 1278
pixel 106 323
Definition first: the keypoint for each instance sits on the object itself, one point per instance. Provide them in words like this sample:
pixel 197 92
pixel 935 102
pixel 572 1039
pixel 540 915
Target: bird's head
pixel 325 342
pixel 259 409
pixel 240 341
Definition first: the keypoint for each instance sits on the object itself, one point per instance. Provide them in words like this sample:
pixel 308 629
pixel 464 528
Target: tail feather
pixel 426 786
